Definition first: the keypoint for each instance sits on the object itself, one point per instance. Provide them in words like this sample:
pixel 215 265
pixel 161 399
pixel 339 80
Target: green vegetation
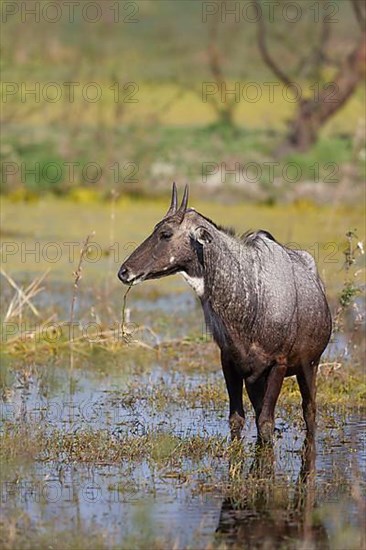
pixel 137 162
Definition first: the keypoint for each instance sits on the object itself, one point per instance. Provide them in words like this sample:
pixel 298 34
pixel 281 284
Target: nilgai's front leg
pixel 272 391
pixel 234 384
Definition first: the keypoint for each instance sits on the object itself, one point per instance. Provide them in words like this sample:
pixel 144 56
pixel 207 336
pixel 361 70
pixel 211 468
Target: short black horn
pixel 174 202
pixel 183 207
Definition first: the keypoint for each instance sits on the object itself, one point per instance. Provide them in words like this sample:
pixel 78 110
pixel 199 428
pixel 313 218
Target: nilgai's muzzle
pixel 123 274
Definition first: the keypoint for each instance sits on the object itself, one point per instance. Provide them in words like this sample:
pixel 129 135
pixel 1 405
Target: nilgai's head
pixel 171 248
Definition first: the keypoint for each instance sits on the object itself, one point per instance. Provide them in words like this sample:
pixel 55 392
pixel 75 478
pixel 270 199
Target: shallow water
pixel 184 503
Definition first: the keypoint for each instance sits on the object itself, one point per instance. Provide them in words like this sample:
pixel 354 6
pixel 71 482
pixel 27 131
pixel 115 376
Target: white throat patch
pixel 197 283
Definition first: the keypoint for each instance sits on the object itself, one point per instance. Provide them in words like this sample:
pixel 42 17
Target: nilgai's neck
pixel 228 270
pixel 229 294
pixel 223 273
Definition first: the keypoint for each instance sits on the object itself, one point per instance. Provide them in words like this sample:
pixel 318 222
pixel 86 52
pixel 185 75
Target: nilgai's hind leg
pixel 307 383
pixel 272 391
pixel 234 384
pixel 256 391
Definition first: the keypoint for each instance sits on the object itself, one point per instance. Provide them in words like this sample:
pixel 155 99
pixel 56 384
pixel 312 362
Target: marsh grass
pixel 17 531
pixel 52 335
pixel 354 281
pixel 22 297
pixel 345 387
pixel 100 448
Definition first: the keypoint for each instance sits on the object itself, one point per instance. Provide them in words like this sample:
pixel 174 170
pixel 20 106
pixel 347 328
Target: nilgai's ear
pixel 202 235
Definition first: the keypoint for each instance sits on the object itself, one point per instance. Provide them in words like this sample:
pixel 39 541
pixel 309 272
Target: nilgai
pixel 264 303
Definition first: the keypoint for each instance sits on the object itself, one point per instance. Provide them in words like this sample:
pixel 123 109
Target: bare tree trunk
pixel 224 109
pixel 312 114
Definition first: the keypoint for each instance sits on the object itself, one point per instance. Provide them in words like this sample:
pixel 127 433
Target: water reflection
pixel 270 513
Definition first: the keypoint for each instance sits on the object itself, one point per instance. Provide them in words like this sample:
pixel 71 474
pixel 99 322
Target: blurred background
pixel 261 100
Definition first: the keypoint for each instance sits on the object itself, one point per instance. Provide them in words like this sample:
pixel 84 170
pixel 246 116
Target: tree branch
pixel 319 53
pixel 360 13
pixel 346 81
pixel 223 108
pixel 213 53
pixel 262 44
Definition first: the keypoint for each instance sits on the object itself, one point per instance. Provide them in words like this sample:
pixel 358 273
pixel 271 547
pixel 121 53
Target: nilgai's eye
pixel 166 235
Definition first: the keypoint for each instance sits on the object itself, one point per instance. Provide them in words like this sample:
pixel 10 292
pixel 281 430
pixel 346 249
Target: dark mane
pixel 253 237
pixel 228 230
